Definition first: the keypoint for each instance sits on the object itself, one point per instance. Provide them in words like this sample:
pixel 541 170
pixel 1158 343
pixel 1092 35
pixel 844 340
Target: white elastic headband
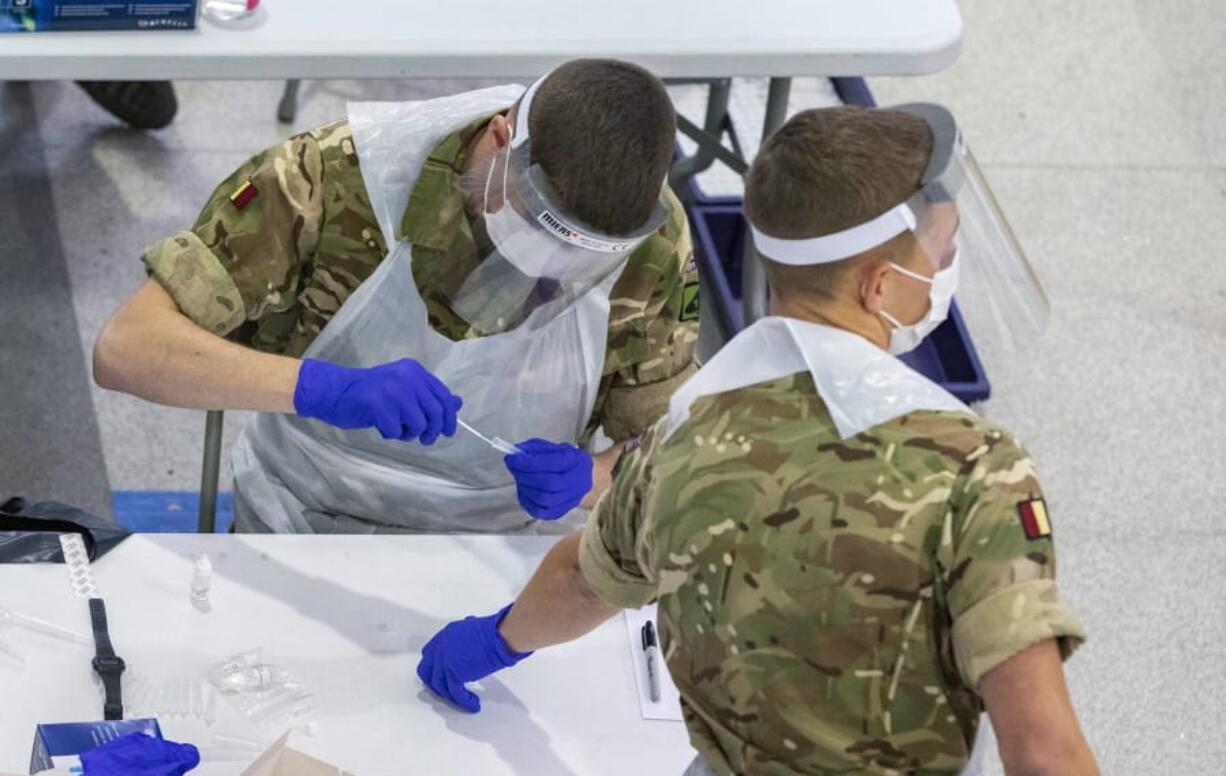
pixel 521 114
pixel 840 245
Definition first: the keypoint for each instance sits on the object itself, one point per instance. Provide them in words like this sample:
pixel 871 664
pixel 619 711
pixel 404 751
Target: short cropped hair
pixel 603 132
pixel 830 169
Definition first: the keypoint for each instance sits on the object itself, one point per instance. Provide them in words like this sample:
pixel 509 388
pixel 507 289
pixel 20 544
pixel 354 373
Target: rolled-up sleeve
pixel 197 281
pixel 616 552
pixel 1002 582
pixel 243 259
pixel 1008 622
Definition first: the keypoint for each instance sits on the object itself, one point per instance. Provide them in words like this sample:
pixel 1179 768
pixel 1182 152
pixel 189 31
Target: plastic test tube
pixel 210 705
pixel 37 625
pixel 499 444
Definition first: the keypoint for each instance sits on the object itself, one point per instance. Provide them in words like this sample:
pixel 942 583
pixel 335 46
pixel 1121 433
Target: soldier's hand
pixel 402 400
pixel 465 651
pixel 550 478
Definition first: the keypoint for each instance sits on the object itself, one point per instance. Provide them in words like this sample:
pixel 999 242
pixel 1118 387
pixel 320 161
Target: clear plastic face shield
pixel 967 240
pixel 540 259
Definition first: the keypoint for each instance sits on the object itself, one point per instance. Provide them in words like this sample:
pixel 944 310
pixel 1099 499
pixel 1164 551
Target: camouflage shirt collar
pixel 430 217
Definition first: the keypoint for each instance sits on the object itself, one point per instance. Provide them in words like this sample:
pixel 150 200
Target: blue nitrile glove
pixel 551 478
pixel 401 399
pixel 464 651
pixel 137 754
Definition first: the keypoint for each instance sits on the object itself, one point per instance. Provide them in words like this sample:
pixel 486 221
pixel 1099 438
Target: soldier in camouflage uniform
pixel 832 599
pixel 282 244
pixel 272 274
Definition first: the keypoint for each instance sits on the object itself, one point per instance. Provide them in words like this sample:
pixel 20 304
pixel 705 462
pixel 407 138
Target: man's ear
pixel 873 285
pixel 499 131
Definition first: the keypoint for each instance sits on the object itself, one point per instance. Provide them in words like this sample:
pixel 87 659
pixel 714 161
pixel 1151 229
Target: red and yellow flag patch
pixel 1035 522
pixel 243 195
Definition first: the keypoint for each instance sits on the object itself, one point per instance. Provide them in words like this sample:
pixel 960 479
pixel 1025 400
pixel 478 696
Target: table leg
pixel 854 91
pixel 288 107
pixel 753 277
pixel 708 140
pixel 210 471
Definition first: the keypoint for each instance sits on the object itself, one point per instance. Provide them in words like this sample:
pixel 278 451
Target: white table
pixel 483 38
pixel 349 614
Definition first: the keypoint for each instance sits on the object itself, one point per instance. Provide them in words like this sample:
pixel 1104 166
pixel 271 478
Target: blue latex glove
pixel 401 399
pixel 551 478
pixel 465 651
pixel 137 754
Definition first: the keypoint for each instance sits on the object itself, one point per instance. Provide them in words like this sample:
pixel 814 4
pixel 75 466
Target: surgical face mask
pixel 505 229
pixel 941 287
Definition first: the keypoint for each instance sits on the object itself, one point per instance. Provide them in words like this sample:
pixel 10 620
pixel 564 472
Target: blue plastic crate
pixel 947 356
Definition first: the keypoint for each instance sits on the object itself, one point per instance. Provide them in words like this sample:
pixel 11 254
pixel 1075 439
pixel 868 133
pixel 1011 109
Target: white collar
pixel 862 385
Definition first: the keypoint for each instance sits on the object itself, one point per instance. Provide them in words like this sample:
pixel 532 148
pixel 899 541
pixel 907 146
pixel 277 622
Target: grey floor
pixel 1102 125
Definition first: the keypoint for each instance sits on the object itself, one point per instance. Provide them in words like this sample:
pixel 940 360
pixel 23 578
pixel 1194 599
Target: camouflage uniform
pixel 271 271
pixel 826 605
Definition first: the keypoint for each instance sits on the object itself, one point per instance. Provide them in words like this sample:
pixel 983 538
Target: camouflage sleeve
pixel 653 329
pixel 243 258
pixel 616 554
pixel 1001 582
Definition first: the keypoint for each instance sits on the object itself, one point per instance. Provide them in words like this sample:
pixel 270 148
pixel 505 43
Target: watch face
pixel 108 663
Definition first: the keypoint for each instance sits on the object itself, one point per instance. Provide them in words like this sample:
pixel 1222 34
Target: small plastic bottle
pixel 202 581
pixel 229 10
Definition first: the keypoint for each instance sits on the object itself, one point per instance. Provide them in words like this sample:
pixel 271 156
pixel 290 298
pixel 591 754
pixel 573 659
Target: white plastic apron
pixel 304 476
pixel 861 384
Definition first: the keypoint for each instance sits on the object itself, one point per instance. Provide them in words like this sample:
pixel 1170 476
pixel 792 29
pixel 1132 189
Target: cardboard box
pixel 283 760
pixel 76 15
pixel 60 746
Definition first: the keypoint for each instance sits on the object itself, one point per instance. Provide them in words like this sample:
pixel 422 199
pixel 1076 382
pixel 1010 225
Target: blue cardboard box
pixel 75 15
pixel 58 746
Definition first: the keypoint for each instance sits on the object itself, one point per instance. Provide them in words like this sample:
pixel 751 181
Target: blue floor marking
pixel 167 511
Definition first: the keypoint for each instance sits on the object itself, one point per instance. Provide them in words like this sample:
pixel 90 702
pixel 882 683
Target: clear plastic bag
pixel 266 694
pixel 30 533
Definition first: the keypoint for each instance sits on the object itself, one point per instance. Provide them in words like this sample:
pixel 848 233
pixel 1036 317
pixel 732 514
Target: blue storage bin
pixel 946 357
pixel 719 231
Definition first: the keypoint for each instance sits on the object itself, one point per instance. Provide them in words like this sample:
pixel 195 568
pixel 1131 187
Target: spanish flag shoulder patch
pixel 1035 522
pixel 243 195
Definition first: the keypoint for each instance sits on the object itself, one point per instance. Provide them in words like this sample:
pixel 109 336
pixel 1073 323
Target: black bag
pixel 30 533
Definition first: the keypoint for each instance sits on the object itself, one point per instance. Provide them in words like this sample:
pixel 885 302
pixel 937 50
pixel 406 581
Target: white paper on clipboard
pixel 669 705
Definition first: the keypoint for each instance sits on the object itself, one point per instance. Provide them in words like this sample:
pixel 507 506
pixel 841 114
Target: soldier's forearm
pixel 151 350
pixel 602 474
pixel 557 605
pixel 1037 730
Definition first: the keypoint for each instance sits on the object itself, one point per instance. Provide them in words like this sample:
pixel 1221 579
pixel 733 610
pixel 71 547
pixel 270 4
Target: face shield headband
pixel 539 258
pixel 954 214
pixel 941 182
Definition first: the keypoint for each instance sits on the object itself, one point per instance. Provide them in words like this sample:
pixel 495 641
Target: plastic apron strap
pixel 393 143
pixel 985 739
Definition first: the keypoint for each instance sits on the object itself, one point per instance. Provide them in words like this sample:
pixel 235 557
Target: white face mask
pixel 907 337
pixel 505 227
pixel 523 244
